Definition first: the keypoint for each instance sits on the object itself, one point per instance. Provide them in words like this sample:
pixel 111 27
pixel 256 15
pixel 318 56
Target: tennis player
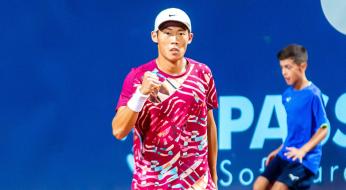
pixel 168 103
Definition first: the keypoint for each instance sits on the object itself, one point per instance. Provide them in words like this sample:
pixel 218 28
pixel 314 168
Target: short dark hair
pixel 295 52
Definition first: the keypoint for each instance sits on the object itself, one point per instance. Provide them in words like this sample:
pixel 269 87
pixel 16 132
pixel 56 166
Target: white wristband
pixel 137 101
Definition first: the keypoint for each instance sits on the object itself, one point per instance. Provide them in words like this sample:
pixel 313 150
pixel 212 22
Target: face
pixel 172 42
pixel 293 73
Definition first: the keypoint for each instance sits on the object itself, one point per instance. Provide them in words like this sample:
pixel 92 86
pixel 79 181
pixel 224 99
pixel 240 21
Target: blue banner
pixel 62 65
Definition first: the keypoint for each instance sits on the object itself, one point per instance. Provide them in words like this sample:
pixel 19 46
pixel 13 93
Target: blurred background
pixel 62 65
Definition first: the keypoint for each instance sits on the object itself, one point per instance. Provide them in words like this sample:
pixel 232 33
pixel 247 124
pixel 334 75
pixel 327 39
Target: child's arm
pixel 272 155
pixel 295 153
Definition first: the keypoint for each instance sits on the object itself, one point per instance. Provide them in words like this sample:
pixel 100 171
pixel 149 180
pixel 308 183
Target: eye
pixel 182 33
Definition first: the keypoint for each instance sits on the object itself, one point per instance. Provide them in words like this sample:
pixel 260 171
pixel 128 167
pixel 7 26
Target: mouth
pixel 174 50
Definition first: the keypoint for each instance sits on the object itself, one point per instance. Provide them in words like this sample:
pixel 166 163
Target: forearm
pixel 273 153
pixel 316 139
pixel 126 116
pixel 212 145
pixel 123 122
pixel 212 148
pixel 278 149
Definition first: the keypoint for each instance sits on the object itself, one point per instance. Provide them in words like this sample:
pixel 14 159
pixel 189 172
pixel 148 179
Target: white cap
pixel 172 14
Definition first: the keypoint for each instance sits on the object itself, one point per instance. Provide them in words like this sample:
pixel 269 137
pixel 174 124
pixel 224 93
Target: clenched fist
pixel 150 83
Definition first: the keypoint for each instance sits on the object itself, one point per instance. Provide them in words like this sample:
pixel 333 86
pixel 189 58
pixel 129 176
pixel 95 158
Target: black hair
pixel 295 52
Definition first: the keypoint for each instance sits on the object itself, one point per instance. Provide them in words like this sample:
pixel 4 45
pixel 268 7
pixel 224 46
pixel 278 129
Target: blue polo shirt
pixel 305 115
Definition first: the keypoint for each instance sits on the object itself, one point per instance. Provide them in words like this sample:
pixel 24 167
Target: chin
pixel 175 58
pixel 289 84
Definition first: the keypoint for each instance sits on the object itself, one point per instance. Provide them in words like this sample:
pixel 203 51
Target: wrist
pixel 137 101
pixel 143 91
pixel 303 150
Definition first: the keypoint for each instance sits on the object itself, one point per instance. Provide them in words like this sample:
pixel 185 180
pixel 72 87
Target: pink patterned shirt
pixel 170 135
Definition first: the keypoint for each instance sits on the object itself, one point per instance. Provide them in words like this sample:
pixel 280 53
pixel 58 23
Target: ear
pixel 154 36
pixel 303 66
pixel 190 38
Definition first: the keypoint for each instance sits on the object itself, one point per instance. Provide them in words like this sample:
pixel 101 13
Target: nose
pixel 174 39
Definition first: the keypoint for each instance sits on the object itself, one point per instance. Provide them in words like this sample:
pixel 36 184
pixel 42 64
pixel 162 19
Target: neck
pixel 304 82
pixel 172 68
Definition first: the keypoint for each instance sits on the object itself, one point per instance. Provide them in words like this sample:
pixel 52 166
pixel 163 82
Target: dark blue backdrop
pixel 62 64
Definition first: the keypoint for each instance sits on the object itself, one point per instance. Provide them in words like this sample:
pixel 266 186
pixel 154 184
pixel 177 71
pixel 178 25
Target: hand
pixel 294 154
pixel 270 157
pixel 150 83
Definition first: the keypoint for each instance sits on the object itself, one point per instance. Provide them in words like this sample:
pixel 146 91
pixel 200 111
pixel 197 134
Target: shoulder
pixel 287 91
pixel 314 90
pixel 139 71
pixel 204 68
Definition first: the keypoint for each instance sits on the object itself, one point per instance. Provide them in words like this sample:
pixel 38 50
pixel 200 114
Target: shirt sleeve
pixel 211 98
pixel 319 112
pixel 129 87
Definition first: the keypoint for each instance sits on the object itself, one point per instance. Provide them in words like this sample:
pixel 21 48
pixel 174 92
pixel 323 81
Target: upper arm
pixel 211 95
pixel 120 109
pixel 129 87
pixel 319 112
pixel 210 119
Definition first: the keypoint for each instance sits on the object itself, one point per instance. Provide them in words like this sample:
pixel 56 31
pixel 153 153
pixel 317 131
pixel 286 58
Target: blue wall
pixel 62 64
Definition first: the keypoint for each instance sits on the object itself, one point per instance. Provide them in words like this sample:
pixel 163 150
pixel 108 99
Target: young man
pixel 294 164
pixel 169 103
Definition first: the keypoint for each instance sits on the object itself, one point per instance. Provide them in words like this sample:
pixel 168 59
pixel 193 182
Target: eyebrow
pixel 169 28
